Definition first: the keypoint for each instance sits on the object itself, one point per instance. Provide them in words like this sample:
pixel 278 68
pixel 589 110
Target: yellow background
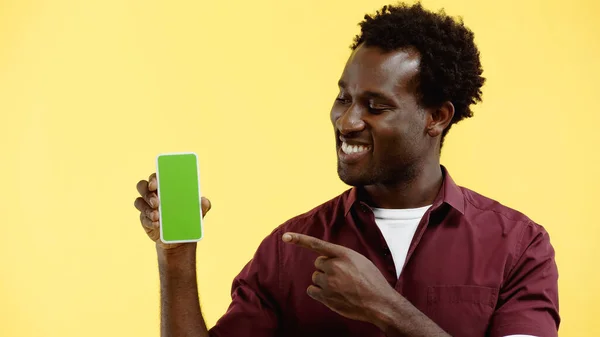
pixel 91 91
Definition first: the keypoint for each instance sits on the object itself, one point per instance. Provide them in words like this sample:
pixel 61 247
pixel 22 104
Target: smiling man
pixel 405 251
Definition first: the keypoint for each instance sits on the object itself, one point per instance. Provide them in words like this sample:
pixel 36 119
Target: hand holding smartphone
pixel 180 209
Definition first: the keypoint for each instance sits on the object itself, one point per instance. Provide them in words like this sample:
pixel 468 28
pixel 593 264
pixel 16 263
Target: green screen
pixel 179 197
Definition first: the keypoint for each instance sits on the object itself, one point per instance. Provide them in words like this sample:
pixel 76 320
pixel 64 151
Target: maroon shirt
pixel 475 267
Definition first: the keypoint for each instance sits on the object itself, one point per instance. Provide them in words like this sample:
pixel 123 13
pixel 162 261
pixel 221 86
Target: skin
pixel 377 107
pixel 180 305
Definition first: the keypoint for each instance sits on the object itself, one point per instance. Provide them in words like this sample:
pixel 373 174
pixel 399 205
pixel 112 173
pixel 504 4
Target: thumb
pixel 206 205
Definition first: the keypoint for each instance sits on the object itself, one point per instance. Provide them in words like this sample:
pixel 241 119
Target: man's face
pixel 380 127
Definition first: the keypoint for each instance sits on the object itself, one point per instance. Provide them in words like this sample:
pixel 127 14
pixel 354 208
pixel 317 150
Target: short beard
pixel 398 176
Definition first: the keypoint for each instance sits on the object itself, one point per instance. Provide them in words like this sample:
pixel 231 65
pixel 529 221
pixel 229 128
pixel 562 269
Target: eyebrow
pixel 369 94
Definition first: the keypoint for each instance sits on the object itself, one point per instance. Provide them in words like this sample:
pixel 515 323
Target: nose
pixel 350 121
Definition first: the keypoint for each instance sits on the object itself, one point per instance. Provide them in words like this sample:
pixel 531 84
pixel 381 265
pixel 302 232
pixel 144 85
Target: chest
pixel 453 285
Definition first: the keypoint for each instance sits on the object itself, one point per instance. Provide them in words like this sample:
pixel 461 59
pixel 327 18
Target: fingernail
pixel 287 237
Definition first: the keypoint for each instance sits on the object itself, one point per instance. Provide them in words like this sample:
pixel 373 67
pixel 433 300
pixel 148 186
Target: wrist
pixel 385 314
pixel 396 316
pixel 177 258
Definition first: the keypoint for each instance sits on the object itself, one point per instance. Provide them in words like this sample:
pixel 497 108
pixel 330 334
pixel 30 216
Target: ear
pixel 439 119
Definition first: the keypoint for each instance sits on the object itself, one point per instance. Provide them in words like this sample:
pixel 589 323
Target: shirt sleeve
pixel 254 310
pixel 528 299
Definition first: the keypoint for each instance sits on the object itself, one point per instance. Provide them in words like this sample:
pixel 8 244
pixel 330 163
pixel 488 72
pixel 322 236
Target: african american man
pixel 405 251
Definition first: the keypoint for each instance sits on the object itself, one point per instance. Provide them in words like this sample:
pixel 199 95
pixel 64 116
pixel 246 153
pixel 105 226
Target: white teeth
pixel 349 149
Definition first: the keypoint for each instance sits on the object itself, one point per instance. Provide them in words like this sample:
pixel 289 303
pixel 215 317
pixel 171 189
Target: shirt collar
pixel 449 193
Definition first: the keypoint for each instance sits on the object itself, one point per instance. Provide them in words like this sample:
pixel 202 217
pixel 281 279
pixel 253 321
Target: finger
pixel 206 206
pixel 152 183
pixel 142 187
pixel 146 210
pixel 315 293
pixel 152 214
pixel 147 223
pixel 141 205
pixel 319 279
pixel 319 246
pixel 152 199
pixel 321 263
pixel 150 196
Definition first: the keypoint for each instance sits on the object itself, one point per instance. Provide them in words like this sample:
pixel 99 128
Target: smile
pixel 352 154
pixel 351 149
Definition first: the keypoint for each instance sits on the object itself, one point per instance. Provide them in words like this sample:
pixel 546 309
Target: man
pixel 405 252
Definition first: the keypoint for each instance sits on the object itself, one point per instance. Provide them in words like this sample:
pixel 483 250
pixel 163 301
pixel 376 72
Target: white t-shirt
pixel 398 227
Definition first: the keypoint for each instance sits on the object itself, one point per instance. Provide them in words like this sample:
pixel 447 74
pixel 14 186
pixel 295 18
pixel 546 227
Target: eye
pixel 378 109
pixel 343 100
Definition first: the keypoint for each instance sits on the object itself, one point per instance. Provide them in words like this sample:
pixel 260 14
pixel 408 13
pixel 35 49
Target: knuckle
pixel 332 283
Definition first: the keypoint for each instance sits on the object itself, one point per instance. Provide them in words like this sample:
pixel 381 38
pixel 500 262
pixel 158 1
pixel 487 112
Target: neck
pixel 420 191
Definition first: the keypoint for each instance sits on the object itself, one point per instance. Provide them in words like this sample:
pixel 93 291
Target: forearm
pixel 399 318
pixel 180 307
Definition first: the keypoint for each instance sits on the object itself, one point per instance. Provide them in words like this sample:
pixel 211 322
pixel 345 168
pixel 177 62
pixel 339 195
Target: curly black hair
pixel 450 69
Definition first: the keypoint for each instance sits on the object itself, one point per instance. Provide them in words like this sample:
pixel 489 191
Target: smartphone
pixel 180 209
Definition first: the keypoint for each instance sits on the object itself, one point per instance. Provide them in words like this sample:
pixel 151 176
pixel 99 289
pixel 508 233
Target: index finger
pixel 317 245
